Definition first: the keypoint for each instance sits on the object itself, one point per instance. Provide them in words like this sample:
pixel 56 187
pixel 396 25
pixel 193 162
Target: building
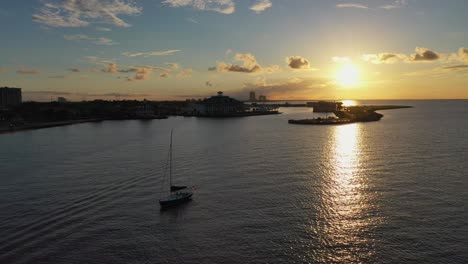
pixel 61 99
pixel 9 97
pixel 262 98
pixel 146 110
pixel 324 106
pixel 219 105
pixel 252 97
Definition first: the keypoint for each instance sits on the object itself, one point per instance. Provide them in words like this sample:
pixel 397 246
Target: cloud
pixel 104 41
pixel 455 67
pixel 299 87
pixel 162 69
pixel 340 59
pixel 142 73
pixel 152 53
pixel 2 69
pixel 45 95
pixel 192 20
pixel 27 71
pixel 272 69
pixel 298 63
pixel 424 54
pixel 97 41
pixel 74 70
pixel 48 92
pixel 116 95
pixel 173 66
pixel 58 77
pixel 98 62
pixel 386 57
pixel 249 64
pixel 209 83
pixel 352 5
pixel 103 29
pixel 80 13
pixel 429 73
pixel 76 37
pixel 220 6
pixel 111 68
pixel 91 59
pixel 396 4
pixel 185 73
pixel 261 5
pixel 462 55
pixel 421 55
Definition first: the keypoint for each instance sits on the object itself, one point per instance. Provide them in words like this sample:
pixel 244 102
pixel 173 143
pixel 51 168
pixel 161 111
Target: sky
pixel 284 49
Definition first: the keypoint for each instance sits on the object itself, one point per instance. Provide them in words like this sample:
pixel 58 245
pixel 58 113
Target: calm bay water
pixel 267 192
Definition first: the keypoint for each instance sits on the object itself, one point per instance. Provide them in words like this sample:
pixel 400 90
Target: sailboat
pixel 178 194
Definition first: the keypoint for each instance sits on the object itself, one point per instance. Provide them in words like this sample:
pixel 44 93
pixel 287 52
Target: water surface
pixel 267 192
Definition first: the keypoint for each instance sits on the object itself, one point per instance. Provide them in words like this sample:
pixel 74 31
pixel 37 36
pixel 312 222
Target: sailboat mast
pixel 170 162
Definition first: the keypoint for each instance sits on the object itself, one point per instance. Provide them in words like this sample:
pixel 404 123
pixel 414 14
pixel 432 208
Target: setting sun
pixel 347 75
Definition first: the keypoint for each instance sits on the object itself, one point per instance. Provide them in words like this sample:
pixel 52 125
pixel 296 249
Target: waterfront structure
pixel 325 106
pixel 145 110
pixel 218 105
pixel 252 97
pixel 9 97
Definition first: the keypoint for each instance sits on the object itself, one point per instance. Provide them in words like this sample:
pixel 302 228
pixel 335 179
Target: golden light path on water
pixel 343 221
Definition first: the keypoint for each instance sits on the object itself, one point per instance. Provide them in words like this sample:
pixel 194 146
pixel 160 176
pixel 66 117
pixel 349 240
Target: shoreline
pixel 42 125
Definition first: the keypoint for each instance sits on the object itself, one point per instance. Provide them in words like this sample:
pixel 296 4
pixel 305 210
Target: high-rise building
pixel 9 97
pixel 262 98
pixel 252 97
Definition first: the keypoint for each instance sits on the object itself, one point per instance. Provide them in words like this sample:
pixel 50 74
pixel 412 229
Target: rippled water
pixel 267 192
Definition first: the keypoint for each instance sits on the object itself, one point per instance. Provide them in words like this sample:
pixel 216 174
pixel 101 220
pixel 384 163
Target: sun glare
pixel 347 75
pixel 349 103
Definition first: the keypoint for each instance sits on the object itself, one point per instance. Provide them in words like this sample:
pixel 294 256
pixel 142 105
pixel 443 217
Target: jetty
pixel 350 114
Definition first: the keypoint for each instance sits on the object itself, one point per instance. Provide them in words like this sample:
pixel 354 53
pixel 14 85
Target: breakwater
pixel 348 115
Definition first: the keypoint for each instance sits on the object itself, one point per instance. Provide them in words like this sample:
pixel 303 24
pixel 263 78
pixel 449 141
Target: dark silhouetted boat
pixel 178 194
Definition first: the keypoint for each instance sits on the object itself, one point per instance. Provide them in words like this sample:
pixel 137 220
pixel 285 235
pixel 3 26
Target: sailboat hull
pixel 175 199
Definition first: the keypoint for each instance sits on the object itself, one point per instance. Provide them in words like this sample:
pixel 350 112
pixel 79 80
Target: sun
pixel 347 75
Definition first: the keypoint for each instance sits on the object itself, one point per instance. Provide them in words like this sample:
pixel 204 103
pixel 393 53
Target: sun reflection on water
pixel 343 225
